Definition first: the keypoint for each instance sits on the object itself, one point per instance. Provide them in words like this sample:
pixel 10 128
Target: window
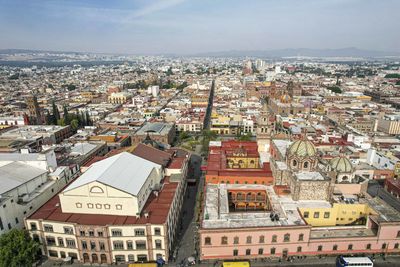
pixel 273 250
pixel 301 237
pixel 306 214
pixel 116 232
pixel 118 245
pixel 96 189
pixel 33 226
pixel 48 228
pixel 78 205
pixel 90 205
pixel 53 253
pixel 319 248
pixel 334 247
pixel 260 251
pixel 139 232
pixel 207 241
pixel 261 239
pixel 396 246
pixel 91 233
pixel 157 231
pixel 102 246
pixel 9 226
pixel 107 206
pixel 70 243
pixel 368 246
pixel 129 244
pixel 384 246
pixel 131 258
pixel 224 240
pixel 118 207
pixel 350 247
pixel 158 244
pixel 92 245
pixel 84 244
pixel 120 258
pixel 100 233
pixel 140 244
pixel 398 234
pixel 68 230
pixel 60 242
pixel 316 214
pixel 98 206
pixel 35 238
pixel 1 225
pixel 248 252
pixel 327 214
pixel 305 165
pixel 294 163
pixel 16 220
pixel 51 241
pixel 298 249
pixel 248 239
pixel 286 238
pixel 235 252
pixel 274 238
pixel 82 232
pixel 62 254
pixel 142 257
pixel 236 240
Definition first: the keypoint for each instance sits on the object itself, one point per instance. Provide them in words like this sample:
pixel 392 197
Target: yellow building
pixel 337 214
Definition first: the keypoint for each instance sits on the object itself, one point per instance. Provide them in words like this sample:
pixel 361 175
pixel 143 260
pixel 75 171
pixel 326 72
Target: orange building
pixel 237 162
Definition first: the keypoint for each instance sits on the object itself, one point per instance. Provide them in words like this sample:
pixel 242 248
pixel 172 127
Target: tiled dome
pixel 341 164
pixel 302 148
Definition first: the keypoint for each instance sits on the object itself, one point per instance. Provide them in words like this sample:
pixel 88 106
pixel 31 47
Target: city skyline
pixel 185 27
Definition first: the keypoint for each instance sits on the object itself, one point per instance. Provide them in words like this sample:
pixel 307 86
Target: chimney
pixel 146 214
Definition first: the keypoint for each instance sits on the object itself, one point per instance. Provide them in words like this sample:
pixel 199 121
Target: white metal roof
pixel 15 174
pixel 124 171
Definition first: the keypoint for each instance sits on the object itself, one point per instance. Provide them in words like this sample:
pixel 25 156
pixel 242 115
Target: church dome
pixel 302 148
pixel 341 164
pixel 285 99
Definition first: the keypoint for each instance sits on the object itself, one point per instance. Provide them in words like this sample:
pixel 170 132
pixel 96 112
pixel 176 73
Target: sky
pixel 197 26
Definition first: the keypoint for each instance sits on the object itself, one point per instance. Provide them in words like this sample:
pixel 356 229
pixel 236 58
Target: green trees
pixel 17 249
pixel 392 76
pixel 335 89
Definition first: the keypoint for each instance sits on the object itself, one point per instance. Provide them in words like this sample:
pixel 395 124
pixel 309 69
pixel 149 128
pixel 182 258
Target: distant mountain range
pixel 301 52
pixel 274 53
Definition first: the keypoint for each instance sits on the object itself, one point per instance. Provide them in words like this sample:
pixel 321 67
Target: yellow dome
pixel 341 164
pixel 302 148
pixel 286 99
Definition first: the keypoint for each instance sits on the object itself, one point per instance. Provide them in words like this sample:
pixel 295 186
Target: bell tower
pixel 264 128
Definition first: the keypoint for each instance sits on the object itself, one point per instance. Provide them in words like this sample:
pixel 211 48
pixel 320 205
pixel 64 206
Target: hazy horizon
pixel 185 26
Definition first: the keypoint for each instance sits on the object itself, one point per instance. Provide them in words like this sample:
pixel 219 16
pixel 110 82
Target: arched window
pixel 261 239
pixel 248 239
pixel 305 165
pixel 294 163
pixel 251 161
pixel 345 178
pixel 236 240
pixel 224 240
pixel 96 189
pixel 286 238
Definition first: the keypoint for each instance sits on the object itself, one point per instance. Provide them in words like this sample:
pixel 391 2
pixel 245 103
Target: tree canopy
pixel 393 76
pixel 17 249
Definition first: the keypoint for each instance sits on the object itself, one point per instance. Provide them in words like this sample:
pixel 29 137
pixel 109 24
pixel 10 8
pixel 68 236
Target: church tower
pixel 264 129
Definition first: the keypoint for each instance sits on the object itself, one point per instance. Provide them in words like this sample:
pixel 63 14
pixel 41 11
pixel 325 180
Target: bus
pixel 354 261
pixel 236 264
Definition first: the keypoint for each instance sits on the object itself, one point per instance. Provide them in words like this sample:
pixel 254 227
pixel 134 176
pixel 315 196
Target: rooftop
pixel 123 171
pixel 217 215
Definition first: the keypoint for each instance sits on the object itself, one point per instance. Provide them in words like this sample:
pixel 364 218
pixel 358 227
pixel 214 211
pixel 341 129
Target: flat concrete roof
pixel 216 209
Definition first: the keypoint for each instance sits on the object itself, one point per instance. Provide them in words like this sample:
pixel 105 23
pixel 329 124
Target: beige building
pixel 122 209
pixel 389 124
pixel 119 98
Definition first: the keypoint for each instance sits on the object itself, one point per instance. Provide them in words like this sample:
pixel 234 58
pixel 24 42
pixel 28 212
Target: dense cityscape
pixel 200 148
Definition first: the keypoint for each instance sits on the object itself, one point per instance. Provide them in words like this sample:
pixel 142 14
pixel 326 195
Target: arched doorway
pixel 86 257
pixel 95 259
pixel 103 258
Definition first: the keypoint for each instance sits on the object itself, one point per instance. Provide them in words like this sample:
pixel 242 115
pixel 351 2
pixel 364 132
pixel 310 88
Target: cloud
pixel 155 7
